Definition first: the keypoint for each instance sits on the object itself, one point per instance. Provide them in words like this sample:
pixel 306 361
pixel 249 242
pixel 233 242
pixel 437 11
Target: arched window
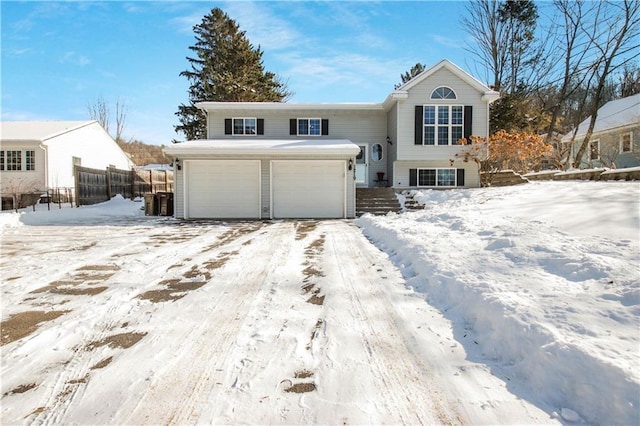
pixel 443 92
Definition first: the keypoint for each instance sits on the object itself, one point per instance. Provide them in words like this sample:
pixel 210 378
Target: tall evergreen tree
pixel 225 68
pixel 414 71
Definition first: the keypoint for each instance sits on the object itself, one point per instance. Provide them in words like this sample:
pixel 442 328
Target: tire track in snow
pixel 71 378
pixel 181 389
pixel 409 389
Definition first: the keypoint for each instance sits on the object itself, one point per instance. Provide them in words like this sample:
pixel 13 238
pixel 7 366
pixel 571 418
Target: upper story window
pixel 309 126
pixel 625 143
pixel 443 124
pixel 443 93
pixel 244 126
pixel 16 160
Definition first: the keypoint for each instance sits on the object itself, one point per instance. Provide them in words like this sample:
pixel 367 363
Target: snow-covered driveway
pixel 160 321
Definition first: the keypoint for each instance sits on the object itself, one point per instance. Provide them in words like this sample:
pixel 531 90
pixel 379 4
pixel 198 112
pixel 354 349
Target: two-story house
pixel 286 160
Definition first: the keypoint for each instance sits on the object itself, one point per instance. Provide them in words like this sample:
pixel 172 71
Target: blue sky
pixel 58 57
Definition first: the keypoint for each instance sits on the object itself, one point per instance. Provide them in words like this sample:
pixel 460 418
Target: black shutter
pixel 460 177
pixel 228 129
pixel 325 127
pixel 413 177
pixel 419 122
pixel 468 118
pixel 293 126
pixel 261 126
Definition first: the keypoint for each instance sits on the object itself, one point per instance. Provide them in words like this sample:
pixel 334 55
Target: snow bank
pixel 540 282
pixel 117 208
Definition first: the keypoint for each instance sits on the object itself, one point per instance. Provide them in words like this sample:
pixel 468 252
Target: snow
pixel 613 114
pixel 269 147
pixel 515 305
pixel 540 282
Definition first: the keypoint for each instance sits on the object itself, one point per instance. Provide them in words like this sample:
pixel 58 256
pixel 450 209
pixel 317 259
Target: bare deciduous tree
pixel 615 34
pixel 99 111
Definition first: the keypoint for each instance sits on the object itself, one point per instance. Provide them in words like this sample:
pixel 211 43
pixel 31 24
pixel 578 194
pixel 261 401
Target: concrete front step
pixel 377 201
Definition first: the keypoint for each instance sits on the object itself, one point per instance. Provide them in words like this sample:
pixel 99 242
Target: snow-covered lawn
pixel 492 306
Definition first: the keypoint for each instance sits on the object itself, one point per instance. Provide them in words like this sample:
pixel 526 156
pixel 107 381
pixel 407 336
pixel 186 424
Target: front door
pixel 362 166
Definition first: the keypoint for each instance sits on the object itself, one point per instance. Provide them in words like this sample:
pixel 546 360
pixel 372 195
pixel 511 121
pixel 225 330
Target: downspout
pixel 46 165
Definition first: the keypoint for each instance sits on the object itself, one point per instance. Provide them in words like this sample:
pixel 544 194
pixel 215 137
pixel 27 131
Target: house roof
pixel 264 147
pixel 236 106
pixel 38 130
pixel 488 94
pixel 612 115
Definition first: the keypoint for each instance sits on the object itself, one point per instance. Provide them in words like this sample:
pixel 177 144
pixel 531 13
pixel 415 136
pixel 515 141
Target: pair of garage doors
pixel 236 189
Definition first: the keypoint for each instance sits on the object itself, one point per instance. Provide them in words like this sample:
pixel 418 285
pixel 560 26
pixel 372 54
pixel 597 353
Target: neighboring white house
pixel 285 160
pixel 615 140
pixel 38 155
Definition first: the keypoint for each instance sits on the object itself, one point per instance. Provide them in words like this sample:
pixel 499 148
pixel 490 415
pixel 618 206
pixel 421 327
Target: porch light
pixel 389 141
pixel 350 164
pixel 176 163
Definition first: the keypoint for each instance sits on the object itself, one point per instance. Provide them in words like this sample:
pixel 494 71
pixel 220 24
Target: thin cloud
pixel 75 59
pixel 263 26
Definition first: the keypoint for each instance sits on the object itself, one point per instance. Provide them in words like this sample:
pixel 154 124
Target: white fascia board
pixel 285 106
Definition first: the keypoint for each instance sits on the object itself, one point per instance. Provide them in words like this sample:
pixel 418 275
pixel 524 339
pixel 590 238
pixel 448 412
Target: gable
pixel 443 77
pixel 452 70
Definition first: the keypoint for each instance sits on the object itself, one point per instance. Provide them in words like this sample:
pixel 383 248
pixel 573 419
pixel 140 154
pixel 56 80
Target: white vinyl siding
pixel 420 95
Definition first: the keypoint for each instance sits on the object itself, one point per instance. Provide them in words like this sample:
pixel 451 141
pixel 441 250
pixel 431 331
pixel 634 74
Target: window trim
pixel 436 169
pixel 309 119
pixel 591 143
pixel 379 150
pixel 244 126
pixel 630 135
pixel 436 126
pixel 30 160
pixel 443 96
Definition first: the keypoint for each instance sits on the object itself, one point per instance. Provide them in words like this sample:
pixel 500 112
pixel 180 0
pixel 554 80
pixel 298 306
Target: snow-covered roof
pixel 612 115
pixel 264 147
pixel 38 130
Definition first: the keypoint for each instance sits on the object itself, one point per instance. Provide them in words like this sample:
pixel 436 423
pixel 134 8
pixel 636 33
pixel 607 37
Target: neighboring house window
pixel 1 160
pixel 309 126
pixel 376 152
pixel 443 124
pixel 625 143
pixel 30 160
pixel 244 126
pixel 13 160
pixel 594 150
pixel 443 93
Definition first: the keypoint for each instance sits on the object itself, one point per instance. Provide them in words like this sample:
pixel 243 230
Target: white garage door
pixel 308 189
pixel 222 189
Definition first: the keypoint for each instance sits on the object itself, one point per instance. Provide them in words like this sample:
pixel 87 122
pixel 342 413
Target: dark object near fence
pixel 160 203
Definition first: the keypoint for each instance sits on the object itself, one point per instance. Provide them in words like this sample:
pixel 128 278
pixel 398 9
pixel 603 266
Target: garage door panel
pixel 223 189
pixel 308 189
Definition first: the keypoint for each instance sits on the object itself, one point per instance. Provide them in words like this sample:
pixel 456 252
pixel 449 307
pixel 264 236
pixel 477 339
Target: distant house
pixel 616 136
pixel 39 155
pixel 286 160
